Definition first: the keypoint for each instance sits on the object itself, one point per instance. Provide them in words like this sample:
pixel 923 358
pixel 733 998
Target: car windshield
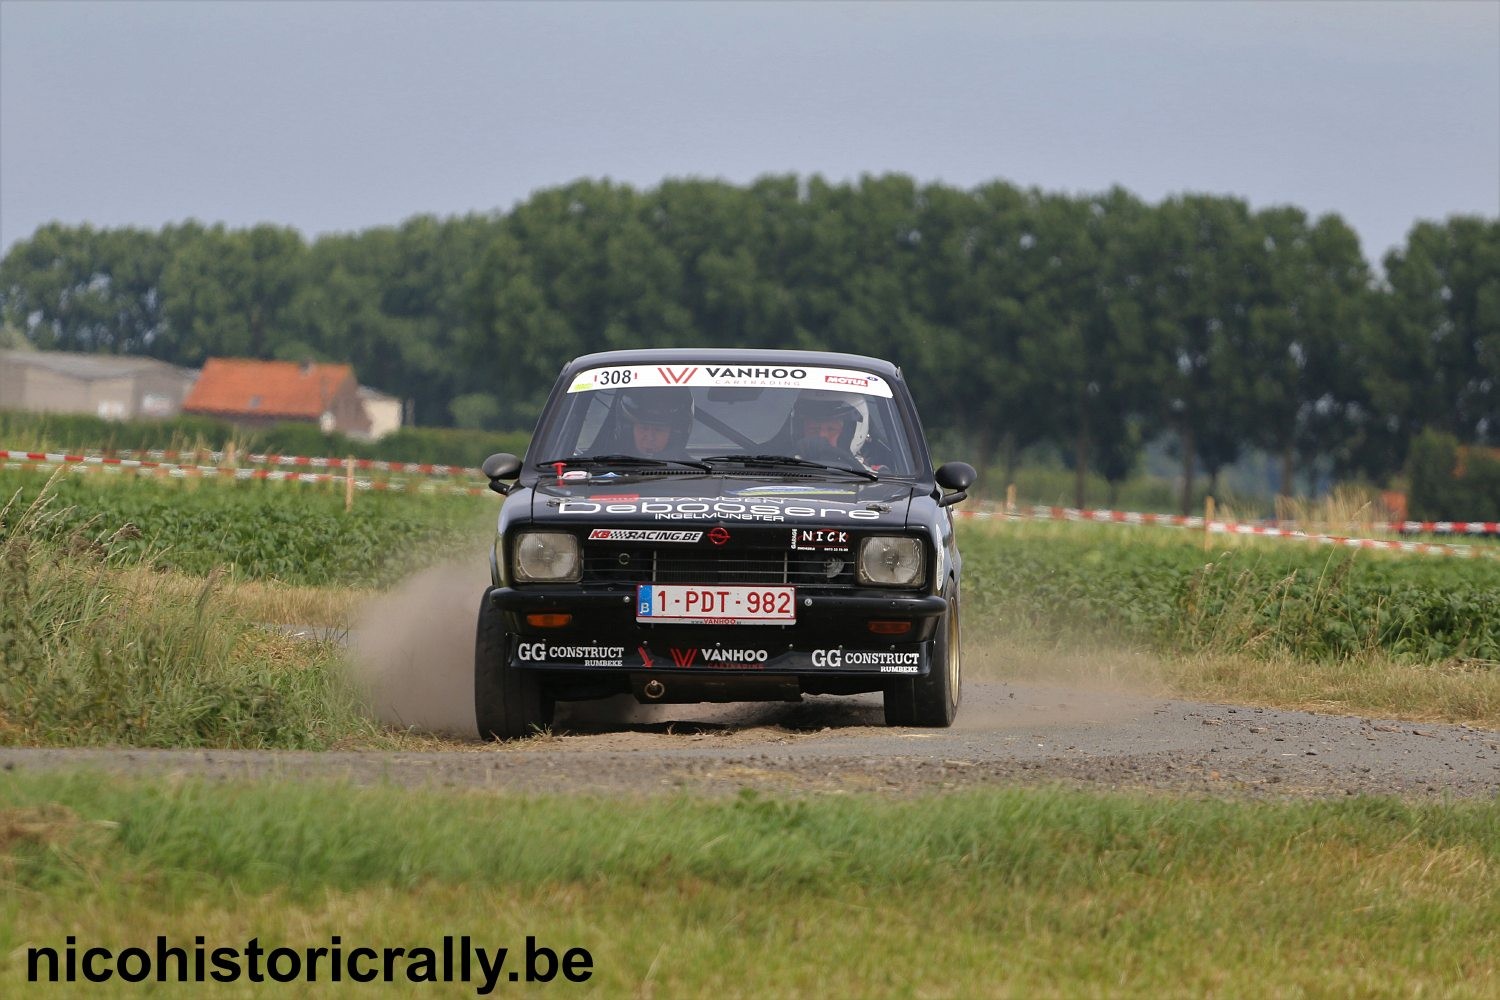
pixel 730 417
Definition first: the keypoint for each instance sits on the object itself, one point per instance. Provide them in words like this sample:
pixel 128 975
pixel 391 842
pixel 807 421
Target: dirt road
pixel 1007 734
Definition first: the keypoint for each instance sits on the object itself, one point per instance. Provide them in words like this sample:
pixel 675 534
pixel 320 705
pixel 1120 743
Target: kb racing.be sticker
pixel 642 535
pixel 745 376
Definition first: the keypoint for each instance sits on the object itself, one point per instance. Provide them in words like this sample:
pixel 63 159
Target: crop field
pixel 289 532
pixel 1160 587
pixel 131 615
pixel 168 575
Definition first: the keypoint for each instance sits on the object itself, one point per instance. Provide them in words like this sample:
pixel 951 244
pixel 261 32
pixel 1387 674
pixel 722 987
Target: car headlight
pixel 889 561
pixel 547 557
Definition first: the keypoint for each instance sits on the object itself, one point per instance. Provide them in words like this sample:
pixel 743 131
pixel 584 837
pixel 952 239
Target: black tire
pixel 508 703
pixel 932 701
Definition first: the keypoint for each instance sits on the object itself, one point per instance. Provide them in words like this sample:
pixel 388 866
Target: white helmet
pixel 825 404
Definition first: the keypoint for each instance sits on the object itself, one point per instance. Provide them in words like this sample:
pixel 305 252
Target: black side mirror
pixel 957 476
pixel 498 467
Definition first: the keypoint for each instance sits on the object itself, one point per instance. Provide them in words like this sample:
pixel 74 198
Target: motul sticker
pixel 642 535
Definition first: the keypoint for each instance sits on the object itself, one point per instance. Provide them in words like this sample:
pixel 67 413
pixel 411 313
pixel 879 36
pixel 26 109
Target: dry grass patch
pixel 1455 691
pixel 255 600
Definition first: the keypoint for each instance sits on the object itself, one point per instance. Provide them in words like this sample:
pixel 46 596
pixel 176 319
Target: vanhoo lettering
pixel 719 657
pixel 780 374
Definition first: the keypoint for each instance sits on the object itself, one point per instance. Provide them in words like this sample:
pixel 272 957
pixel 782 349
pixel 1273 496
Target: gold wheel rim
pixel 955 651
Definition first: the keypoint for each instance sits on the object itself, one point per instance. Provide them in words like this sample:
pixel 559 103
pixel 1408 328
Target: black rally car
pixel 720 525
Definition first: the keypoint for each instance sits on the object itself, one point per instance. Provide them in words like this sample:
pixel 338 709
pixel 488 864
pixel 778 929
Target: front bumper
pixel 830 637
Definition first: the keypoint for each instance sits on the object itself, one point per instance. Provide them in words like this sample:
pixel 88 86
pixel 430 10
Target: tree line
pixel 1093 322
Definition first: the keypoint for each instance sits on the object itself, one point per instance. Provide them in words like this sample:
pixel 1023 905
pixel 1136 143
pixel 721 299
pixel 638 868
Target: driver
pixel 656 422
pixel 829 425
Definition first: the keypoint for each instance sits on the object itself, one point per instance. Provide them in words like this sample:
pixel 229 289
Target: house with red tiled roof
pixel 257 393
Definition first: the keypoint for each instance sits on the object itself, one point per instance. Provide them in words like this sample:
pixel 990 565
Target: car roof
pixel 730 356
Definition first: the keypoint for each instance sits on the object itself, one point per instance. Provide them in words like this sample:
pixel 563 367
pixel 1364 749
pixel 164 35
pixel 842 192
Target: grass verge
pixel 1019 892
pixel 90 656
pixel 1368 685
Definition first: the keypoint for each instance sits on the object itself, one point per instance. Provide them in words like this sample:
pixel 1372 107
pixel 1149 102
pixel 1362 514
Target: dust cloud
pixel 412 653
pixel 412 648
pixel 1042 682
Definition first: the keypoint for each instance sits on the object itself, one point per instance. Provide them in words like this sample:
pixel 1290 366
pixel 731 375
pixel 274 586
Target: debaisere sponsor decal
pixel 715 508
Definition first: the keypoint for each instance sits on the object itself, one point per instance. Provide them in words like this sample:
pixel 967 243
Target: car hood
pixel 711 499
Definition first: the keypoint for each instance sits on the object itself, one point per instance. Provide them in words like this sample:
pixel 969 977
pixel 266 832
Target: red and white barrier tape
pixel 1177 520
pixel 1446 527
pixel 1075 514
pixel 157 458
pixel 1425 548
pixel 44 461
pixel 1235 528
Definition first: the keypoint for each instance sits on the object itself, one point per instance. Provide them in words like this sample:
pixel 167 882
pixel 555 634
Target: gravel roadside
pixel 1007 734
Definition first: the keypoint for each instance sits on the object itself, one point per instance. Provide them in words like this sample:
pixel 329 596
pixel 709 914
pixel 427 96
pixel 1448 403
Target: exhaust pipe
pixel 688 688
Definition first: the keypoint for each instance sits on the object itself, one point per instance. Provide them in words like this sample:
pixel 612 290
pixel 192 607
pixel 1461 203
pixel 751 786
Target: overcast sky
pixel 342 116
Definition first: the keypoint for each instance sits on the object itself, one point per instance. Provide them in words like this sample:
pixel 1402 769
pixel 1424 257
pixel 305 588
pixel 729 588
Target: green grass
pixel 89 656
pixel 1014 891
pixel 292 532
pixel 1158 588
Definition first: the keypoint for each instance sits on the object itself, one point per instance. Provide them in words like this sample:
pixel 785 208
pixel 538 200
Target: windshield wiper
pixel 640 460
pixel 804 463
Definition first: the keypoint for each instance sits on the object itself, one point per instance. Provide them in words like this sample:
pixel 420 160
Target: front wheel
pixel 932 700
pixel 508 703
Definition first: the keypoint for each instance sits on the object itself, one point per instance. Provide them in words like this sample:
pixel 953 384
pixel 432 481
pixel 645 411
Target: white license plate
pixel 705 604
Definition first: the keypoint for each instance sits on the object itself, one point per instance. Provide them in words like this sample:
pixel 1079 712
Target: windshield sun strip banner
pixel 741 376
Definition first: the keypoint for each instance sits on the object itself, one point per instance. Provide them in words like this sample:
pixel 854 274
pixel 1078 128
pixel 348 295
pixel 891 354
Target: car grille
pixel 644 564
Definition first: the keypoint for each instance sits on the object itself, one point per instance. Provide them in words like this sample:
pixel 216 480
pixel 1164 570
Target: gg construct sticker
pixel 888 662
